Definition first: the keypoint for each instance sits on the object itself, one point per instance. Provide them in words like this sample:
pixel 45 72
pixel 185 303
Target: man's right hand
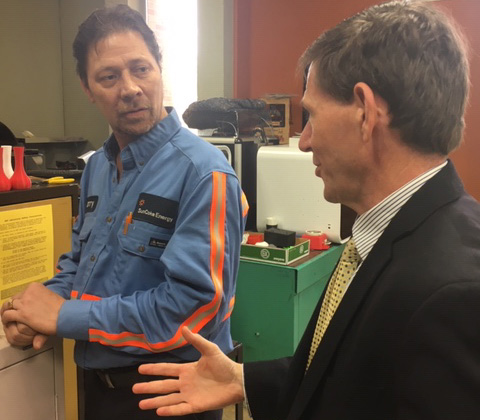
pixel 19 334
pixel 213 382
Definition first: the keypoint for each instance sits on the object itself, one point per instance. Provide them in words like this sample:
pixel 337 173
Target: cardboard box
pixel 282 256
pixel 279 107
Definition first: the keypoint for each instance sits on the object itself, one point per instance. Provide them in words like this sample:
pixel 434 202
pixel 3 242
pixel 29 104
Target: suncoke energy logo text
pixel 159 211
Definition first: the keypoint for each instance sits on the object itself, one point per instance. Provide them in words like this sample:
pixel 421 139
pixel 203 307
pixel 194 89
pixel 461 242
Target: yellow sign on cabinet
pixel 26 248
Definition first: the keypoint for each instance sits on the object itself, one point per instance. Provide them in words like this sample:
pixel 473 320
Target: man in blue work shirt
pixel 156 243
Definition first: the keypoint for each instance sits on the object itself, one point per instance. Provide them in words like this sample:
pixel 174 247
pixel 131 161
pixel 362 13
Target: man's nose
pixel 129 88
pixel 304 142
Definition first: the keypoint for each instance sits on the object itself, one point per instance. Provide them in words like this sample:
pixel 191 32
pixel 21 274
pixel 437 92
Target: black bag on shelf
pixel 229 116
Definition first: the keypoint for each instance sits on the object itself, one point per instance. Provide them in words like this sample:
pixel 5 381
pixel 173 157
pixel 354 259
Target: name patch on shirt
pixel 158 211
pixel 158 243
pixel 91 203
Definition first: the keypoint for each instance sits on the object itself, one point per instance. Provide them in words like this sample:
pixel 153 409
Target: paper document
pixel 26 248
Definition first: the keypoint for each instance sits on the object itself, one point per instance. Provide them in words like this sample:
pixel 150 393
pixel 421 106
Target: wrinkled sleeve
pixel 67 264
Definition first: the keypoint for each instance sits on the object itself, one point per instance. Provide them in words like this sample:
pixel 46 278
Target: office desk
pixel 274 303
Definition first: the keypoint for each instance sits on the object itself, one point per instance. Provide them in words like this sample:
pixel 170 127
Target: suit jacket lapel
pixel 437 192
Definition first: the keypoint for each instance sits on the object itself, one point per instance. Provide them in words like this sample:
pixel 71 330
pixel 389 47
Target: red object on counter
pixel 253 238
pixel 317 242
pixel 5 184
pixel 20 179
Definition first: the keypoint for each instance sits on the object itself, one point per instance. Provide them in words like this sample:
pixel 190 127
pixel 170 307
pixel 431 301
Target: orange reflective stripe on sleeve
pixel 230 309
pixel 245 206
pixel 85 296
pixel 205 313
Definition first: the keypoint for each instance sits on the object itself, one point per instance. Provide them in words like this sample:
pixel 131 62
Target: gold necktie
pixel 347 265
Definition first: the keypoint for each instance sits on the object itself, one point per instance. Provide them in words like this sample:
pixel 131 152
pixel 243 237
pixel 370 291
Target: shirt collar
pixel 140 151
pixel 369 226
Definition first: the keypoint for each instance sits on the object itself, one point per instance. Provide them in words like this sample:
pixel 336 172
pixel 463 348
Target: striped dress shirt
pixel 369 226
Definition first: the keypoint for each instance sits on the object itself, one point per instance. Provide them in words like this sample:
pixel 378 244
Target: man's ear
pixel 87 91
pixel 370 108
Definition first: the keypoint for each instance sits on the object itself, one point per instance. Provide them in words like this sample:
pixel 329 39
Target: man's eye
pixel 108 77
pixel 141 70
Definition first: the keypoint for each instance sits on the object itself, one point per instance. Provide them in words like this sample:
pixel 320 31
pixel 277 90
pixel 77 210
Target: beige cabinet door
pixel 27 389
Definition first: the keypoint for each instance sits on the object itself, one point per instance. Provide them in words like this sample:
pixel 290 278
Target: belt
pixel 124 377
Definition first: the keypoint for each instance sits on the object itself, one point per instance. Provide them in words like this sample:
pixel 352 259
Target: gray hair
pixel 412 56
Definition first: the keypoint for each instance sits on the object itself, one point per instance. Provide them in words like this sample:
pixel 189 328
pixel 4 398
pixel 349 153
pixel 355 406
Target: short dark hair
pixel 411 55
pixel 104 22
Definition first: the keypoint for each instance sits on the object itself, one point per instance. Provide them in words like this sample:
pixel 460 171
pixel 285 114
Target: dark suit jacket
pixel 405 340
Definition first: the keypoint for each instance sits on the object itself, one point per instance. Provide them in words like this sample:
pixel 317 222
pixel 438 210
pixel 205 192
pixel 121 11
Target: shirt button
pixel 141 248
pixel 113 180
pixel 141 163
pixel 108 219
pixel 92 258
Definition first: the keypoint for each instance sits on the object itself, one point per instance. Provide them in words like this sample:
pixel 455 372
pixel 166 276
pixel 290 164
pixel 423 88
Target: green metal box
pixel 274 303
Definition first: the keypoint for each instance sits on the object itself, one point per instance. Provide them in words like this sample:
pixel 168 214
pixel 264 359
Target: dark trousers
pixel 104 402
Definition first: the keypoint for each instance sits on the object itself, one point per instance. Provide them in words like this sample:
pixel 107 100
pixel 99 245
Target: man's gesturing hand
pixel 213 382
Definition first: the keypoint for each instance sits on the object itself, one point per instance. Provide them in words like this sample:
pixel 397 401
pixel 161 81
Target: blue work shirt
pixel 152 252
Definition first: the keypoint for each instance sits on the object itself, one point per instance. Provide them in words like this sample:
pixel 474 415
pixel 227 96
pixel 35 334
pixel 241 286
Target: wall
pixel 467 12
pixel 31 69
pixel 270 35
pixel 40 91
pixel 215 52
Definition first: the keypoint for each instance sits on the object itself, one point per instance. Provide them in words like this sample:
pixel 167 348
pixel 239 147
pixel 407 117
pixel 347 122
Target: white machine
pixel 289 192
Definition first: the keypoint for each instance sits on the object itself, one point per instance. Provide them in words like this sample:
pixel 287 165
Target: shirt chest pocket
pixel 144 240
pixel 86 229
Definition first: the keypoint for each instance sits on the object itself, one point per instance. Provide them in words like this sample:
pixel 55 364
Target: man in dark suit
pixel 396 335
